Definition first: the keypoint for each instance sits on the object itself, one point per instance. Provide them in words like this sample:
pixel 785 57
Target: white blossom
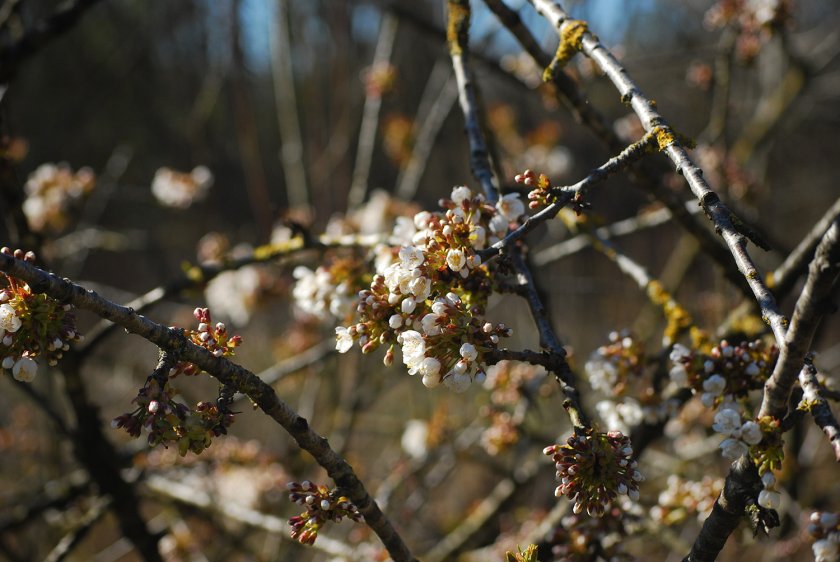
pixel 727 421
pixel 751 433
pixel 455 259
pixel 25 369
pixel 733 449
pixel 457 382
pixel 714 385
pixel 460 194
pixel 510 206
pixel 826 550
pixel 411 257
pixel 9 320
pixel 769 499
pixel 430 324
pixel 468 352
pixel 343 339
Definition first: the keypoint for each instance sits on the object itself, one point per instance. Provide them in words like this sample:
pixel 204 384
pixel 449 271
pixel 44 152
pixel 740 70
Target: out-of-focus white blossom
pixel 234 294
pixel 180 190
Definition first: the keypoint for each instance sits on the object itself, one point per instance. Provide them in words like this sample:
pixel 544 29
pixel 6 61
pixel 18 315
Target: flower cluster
pixel 322 505
pixel 52 191
pixel 594 468
pixel 617 370
pixel 683 498
pixel 32 325
pixel 171 422
pixel 739 435
pixel 214 338
pixel 727 373
pixel 180 190
pixel 508 382
pixel 610 366
pixel 825 528
pixel 330 292
pixel 430 298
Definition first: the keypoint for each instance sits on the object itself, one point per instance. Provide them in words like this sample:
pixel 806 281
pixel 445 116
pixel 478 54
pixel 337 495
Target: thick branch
pixel 227 373
pixel 813 303
pixel 735 234
pixel 742 485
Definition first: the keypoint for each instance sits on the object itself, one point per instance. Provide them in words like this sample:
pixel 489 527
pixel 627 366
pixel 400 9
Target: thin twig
pixel 819 408
pixel 229 374
pixel 458 38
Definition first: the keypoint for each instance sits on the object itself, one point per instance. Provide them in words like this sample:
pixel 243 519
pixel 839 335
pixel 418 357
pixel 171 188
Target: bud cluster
pixel 32 325
pixel 322 505
pixel 430 297
pixel 594 468
pixel 214 338
pixel 825 528
pixel 543 194
pixel 727 373
pixel 171 422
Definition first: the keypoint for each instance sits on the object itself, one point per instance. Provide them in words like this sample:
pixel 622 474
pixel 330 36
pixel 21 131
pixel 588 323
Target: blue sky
pixel 608 18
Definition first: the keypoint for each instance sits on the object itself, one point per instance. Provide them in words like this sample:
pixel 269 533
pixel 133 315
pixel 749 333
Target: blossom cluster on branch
pixel 32 325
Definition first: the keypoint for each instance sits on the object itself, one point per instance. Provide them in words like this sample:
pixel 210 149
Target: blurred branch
pixel 288 120
pixel 431 122
pixel 191 496
pixel 812 304
pixel 734 232
pixel 617 229
pixel 229 374
pixel 55 494
pixel 82 527
pixel 819 408
pixel 246 133
pixel 480 516
pixel 41 34
pixel 370 113
pixel 103 463
pixel 784 278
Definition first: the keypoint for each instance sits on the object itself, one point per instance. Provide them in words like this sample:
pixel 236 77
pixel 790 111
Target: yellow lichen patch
pixel 268 251
pixel 678 319
pixel 571 41
pixel 666 136
pixel 457 26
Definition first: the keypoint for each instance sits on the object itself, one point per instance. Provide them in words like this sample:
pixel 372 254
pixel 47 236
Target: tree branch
pixel 229 374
